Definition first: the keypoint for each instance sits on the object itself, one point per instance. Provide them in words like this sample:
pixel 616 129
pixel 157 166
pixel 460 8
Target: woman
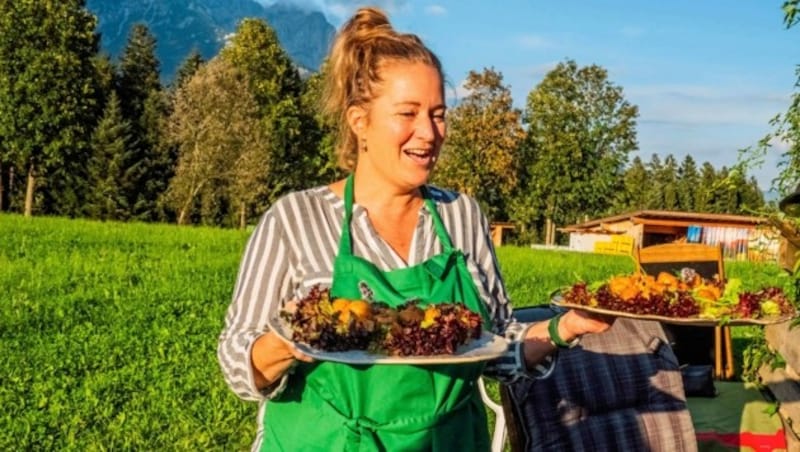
pixel 382 228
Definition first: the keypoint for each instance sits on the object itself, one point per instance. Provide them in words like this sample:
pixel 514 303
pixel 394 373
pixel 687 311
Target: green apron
pixel 331 406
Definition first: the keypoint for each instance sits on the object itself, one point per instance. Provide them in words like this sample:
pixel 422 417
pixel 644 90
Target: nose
pixel 429 129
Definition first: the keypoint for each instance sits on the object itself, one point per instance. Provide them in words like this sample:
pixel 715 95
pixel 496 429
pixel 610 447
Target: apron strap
pixel 441 232
pixel 346 242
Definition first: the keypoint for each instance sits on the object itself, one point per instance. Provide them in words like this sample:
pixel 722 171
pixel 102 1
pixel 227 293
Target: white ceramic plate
pixel 487 347
pixel 697 321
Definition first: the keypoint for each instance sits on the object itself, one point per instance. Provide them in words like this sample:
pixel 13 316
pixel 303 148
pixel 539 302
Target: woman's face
pixel 404 127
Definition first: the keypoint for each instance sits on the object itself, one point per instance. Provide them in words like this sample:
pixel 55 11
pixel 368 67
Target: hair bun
pixel 366 20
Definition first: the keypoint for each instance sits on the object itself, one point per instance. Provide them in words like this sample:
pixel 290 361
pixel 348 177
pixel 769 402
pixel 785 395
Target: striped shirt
pixel 293 249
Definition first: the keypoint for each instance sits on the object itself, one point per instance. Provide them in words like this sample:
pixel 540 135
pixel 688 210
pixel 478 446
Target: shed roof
pixel 670 217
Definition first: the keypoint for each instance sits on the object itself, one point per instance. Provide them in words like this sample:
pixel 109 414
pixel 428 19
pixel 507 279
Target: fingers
pixel 300 356
pixel 582 322
pixel 271 357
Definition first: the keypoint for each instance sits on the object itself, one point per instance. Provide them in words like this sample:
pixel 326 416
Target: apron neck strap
pixel 346 242
pixel 438 225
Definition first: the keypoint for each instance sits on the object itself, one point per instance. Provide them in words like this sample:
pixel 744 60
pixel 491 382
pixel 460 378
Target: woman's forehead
pixel 410 82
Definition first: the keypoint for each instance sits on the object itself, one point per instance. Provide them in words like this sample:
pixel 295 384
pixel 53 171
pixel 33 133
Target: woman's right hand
pixel 271 357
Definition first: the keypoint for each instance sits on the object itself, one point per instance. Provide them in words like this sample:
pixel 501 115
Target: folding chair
pixel 692 342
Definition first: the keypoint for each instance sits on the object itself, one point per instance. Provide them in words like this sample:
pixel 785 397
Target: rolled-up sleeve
pixel 511 366
pixel 262 283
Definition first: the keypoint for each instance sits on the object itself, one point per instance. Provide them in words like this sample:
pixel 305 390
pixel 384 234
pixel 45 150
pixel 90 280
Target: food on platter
pixel 411 329
pixel 685 295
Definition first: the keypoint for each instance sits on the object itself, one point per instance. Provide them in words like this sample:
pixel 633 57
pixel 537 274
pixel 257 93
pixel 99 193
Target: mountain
pixel 180 26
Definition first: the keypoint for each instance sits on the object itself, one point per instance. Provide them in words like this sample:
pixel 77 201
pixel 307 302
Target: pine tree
pixel 654 192
pixel 667 179
pixel 633 196
pixel 144 106
pixel 110 147
pixel 688 181
pixel 704 195
pixel 187 69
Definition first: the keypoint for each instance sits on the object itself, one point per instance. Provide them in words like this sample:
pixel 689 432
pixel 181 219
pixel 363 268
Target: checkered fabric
pixel 617 391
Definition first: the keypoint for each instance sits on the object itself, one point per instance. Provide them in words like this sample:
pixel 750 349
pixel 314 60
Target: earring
pixel 363 145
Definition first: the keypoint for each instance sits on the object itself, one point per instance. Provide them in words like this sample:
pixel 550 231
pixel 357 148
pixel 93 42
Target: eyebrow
pixel 417 104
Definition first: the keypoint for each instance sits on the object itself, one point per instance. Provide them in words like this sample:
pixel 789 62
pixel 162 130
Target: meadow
pixel 109 330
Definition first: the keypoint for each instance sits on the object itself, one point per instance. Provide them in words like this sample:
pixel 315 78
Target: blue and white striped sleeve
pixel 511 366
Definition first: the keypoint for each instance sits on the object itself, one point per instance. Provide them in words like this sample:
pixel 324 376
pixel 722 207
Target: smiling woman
pixel 382 235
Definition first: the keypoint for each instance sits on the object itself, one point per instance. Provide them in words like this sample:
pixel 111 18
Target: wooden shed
pixel 741 237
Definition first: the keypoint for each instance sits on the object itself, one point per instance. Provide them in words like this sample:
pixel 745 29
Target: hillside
pixel 183 25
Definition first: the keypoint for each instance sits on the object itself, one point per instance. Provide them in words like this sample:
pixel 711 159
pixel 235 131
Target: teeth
pixel 417 152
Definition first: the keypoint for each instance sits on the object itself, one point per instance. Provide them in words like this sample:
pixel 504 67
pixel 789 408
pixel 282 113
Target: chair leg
pixel 499 435
pixel 729 369
pixel 718 354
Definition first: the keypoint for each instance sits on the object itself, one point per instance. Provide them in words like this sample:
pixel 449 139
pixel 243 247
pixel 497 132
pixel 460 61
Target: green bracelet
pixel 555 338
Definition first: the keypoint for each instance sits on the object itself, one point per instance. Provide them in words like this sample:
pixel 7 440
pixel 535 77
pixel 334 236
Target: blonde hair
pixel 365 44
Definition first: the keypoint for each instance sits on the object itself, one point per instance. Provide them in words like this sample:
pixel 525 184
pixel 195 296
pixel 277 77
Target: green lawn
pixel 109 331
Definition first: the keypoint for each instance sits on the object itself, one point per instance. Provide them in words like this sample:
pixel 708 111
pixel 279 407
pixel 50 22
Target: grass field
pixel 109 331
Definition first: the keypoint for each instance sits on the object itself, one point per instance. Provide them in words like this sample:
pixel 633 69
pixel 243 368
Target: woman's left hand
pixel 575 323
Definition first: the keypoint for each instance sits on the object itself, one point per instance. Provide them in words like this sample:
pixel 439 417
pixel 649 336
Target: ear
pixel 357 119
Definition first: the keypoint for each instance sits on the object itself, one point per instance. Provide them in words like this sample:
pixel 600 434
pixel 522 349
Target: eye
pixel 438 117
pixel 407 114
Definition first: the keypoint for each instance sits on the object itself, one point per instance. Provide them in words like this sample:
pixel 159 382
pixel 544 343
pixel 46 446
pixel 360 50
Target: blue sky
pixel 707 75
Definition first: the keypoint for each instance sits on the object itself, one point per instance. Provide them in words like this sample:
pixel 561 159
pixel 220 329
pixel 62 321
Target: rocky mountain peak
pixel 180 26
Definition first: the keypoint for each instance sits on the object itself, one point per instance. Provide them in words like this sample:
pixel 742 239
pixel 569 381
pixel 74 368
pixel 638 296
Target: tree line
pixel 84 136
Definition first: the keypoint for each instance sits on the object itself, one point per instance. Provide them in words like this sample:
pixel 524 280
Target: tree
pixel 751 198
pixel 688 183
pixel 667 180
pixel 791 12
pixel 580 133
pixel 111 141
pixel 187 69
pixel 723 192
pixel 484 133
pixel 276 86
pixel 221 142
pixel 633 195
pixel 704 195
pixel 47 94
pixel 144 105
pixel 786 128
pixel 323 163
pixel 653 192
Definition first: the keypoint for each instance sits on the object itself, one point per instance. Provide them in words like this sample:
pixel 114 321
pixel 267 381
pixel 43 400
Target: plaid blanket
pixel 617 391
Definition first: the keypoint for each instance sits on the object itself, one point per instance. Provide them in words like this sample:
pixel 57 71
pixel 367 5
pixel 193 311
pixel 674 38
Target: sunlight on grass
pixel 109 330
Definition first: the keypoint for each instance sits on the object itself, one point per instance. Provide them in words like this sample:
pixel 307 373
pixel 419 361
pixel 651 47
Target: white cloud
pixel 337 11
pixel 536 73
pixel 703 105
pixel 457 93
pixel 435 10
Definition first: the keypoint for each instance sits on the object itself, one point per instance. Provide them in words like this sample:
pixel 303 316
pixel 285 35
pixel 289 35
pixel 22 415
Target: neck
pixel 375 192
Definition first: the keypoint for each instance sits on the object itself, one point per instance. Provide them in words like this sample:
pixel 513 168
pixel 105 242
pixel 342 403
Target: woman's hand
pixel 571 325
pixel 575 323
pixel 271 358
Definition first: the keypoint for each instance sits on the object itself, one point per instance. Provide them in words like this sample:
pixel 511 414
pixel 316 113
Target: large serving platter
pixel 697 321
pixel 485 348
